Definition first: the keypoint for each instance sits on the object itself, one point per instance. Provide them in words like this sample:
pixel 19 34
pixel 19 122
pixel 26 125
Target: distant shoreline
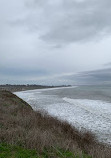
pixel 16 88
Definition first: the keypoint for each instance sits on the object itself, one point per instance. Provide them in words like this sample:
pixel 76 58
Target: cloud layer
pixel 100 76
pixel 65 21
pixel 48 42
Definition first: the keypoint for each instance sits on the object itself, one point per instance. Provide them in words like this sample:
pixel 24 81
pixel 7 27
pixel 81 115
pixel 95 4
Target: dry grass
pixel 20 125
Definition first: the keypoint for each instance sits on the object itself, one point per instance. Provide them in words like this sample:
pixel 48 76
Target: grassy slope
pixel 27 132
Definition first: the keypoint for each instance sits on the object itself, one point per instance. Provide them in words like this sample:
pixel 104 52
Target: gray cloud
pixel 42 41
pixel 22 72
pixel 67 21
pixel 101 76
pixel 107 64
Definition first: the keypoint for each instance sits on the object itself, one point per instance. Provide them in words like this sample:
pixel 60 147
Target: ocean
pixel 88 108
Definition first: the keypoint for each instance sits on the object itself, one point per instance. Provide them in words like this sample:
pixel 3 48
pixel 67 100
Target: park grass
pixel 23 129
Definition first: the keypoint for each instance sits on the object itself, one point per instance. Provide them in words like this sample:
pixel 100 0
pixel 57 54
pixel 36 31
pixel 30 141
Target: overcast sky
pixel 55 41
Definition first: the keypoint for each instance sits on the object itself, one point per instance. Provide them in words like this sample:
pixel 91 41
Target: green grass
pixel 10 151
pixel 59 153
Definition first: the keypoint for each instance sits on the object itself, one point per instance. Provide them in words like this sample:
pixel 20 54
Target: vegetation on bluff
pixel 35 134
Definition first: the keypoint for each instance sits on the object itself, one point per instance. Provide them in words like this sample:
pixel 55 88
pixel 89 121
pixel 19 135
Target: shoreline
pixel 82 116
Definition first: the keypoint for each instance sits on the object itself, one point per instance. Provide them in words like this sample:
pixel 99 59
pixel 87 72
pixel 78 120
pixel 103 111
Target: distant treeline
pixel 23 87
